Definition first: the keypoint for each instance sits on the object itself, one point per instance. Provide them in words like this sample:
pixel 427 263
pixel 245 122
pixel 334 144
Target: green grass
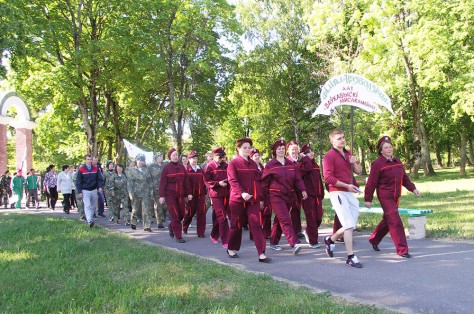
pixel 450 197
pixel 55 265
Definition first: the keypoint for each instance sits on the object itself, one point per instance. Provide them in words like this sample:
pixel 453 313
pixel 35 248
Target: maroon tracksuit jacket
pixel 387 177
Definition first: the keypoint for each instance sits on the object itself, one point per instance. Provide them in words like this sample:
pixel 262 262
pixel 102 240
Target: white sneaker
pixel 314 246
pixel 275 247
pixel 296 249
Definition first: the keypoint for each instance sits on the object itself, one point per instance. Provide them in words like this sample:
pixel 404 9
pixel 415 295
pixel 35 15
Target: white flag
pixel 133 151
pixel 352 90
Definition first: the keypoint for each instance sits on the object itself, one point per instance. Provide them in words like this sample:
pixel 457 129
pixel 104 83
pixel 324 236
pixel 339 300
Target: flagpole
pixel 352 143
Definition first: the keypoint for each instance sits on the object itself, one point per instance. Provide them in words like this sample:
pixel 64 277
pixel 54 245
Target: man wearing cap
pixel 196 206
pixel 89 182
pixel 160 209
pixel 175 191
pixel 293 156
pixel 140 187
pixel 338 165
pixel 387 177
pixel 313 205
pixel 215 177
pixel 18 183
pixel 280 180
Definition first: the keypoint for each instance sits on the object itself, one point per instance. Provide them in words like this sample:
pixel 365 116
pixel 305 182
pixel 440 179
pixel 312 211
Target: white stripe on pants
pixel 90 199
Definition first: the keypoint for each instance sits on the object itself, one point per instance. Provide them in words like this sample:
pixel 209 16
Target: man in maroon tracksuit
pixel 245 200
pixel 293 151
pixel 196 206
pixel 175 190
pixel 215 177
pixel 266 212
pixel 313 205
pixel 387 176
pixel 281 179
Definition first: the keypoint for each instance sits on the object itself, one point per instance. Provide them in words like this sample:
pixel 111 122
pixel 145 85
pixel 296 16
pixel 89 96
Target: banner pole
pixel 352 143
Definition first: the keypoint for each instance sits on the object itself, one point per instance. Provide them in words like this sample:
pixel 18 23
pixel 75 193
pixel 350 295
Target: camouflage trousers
pixel 80 205
pixel 141 205
pixel 118 207
pixel 161 210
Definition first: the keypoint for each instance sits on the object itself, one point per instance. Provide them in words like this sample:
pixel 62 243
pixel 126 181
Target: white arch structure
pixel 23 127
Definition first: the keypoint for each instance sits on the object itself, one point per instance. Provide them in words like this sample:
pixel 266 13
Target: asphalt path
pixel 439 278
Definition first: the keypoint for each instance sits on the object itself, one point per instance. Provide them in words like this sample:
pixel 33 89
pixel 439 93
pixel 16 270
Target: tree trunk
pixel 462 151
pixel 471 152
pixel 362 161
pixel 450 162
pixel 439 160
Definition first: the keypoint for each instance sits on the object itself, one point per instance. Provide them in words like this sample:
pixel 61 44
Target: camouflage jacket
pixel 5 183
pixel 139 183
pixel 155 171
pixel 108 183
pixel 118 184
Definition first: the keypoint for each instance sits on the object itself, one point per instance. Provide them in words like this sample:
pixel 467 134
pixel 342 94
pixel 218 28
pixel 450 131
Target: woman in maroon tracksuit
pixel 175 190
pixel 313 205
pixel 245 200
pixel 196 206
pixel 387 177
pixel 215 177
pixel 266 212
pixel 280 180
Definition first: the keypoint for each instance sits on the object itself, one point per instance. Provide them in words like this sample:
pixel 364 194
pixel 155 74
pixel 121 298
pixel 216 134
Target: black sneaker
pixel 101 215
pixel 160 226
pixel 134 227
pixel 375 247
pixel 180 240
pixel 91 224
pixel 147 229
pixel 329 246
pixel 353 262
pixel 406 255
pixel 171 232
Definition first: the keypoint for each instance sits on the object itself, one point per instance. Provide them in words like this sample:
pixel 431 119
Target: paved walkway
pixel 438 279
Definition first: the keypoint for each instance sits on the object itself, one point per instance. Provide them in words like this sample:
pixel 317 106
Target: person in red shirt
pixel 266 211
pixel 245 200
pixel 313 205
pixel 175 190
pixel 387 177
pixel 215 177
pixel 338 168
pixel 280 180
pixel 196 206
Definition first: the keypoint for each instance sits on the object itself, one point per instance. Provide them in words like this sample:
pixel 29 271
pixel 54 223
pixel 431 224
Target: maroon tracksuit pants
pixel 249 212
pixel 313 210
pixel 391 222
pixel 282 222
pixel 197 206
pixel 176 205
pixel 220 224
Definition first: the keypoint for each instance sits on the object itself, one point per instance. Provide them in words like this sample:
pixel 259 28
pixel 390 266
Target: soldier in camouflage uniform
pixel 160 209
pixel 119 195
pixel 5 188
pixel 79 201
pixel 109 173
pixel 140 187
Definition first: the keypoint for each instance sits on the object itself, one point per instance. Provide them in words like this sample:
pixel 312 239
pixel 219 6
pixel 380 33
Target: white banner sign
pixel 352 90
pixel 133 151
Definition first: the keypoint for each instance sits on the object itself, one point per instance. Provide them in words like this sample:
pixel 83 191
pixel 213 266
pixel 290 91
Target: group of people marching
pixel 245 193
